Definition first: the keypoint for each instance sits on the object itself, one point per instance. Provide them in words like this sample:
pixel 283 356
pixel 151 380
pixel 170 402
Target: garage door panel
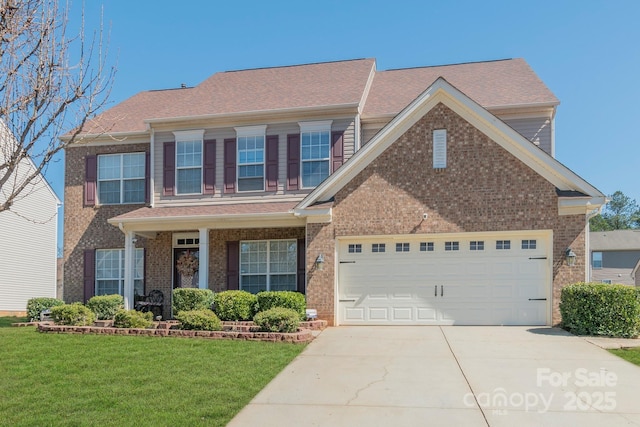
pixel 489 286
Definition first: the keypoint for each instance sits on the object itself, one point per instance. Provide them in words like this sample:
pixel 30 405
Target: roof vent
pixel 183 85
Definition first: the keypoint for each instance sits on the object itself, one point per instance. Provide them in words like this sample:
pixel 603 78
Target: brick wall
pixel 483 188
pixel 87 227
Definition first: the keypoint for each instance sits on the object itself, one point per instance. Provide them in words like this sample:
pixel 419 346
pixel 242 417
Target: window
pixel 451 246
pixel 606 281
pixel 268 265
pixel 476 245
pixel 529 244
pixel 110 272
pixel 251 158
pixel 189 166
pixel 378 247
pixel 402 247
pixel 315 152
pixel 188 241
pixel 596 260
pixel 355 248
pixel 503 244
pixel 121 178
pixel 426 246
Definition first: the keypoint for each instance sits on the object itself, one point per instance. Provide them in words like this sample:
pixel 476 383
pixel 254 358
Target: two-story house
pixel 415 196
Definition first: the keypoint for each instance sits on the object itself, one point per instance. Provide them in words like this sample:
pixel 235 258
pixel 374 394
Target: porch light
pixel 320 262
pixel 570 257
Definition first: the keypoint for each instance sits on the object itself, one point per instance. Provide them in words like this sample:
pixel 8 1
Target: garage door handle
pixel 347 262
pixel 537 299
pixel 348 300
pixel 538 257
pixel 441 290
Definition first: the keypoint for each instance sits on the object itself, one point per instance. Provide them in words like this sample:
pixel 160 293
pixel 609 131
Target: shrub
pixel 188 299
pixel 601 309
pixel 132 319
pixel 36 305
pixel 284 299
pixel 235 305
pixel 199 320
pixel 278 319
pixel 74 314
pixel 106 306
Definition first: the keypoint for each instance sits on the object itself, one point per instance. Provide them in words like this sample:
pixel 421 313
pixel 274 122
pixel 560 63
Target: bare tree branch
pixel 50 85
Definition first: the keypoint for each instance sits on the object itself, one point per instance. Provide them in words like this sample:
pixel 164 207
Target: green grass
pixel 629 354
pixel 91 380
pixel 5 322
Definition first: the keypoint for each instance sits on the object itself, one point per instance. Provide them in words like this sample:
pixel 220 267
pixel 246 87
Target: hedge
pixel 187 299
pixel 35 306
pixel 235 305
pixel 132 319
pixel 278 319
pixel 199 320
pixel 74 314
pixel 601 309
pixel 105 306
pixel 285 299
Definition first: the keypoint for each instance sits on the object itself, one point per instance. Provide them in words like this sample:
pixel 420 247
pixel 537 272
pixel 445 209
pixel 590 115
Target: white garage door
pixel 461 279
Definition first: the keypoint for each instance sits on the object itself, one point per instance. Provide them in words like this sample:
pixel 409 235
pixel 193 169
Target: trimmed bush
pixel 74 314
pixel 199 320
pixel 187 299
pixel 105 306
pixel 235 305
pixel 132 319
pixel 278 319
pixel 601 309
pixel 285 299
pixel 36 305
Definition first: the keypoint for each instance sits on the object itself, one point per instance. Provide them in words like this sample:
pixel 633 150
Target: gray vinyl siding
pixel 536 130
pixel 220 134
pixel 620 259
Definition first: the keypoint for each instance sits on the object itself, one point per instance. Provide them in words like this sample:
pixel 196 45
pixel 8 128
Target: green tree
pixel 621 213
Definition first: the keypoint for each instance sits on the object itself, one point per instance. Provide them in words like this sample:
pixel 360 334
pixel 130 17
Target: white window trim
pixel 268 261
pixel 439 148
pixel 122 179
pixel 189 136
pixel 317 126
pixel 251 131
pixel 121 260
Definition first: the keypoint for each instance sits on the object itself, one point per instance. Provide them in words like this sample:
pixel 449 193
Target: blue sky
pixel 587 52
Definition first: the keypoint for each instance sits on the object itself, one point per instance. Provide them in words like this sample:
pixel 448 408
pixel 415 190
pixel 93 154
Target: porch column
pixel 129 251
pixel 203 270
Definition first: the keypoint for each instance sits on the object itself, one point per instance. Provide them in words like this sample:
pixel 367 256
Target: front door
pixel 183 267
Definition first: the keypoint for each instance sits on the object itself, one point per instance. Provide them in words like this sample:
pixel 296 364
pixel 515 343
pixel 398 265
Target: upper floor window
pixel 251 155
pixel 596 260
pixel 121 178
pixel 315 140
pixel 189 162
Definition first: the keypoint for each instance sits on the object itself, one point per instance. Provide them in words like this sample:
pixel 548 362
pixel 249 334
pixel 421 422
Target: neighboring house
pixel 615 256
pixel 415 196
pixel 29 239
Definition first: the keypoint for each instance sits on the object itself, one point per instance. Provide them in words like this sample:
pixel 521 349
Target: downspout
pixel 152 168
pixel 587 246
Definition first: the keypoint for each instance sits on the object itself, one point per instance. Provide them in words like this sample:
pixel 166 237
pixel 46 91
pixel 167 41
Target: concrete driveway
pixel 453 375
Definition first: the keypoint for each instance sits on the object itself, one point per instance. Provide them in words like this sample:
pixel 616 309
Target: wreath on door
pixel 187 264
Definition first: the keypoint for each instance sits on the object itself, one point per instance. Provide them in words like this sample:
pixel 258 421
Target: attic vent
pixel 440 149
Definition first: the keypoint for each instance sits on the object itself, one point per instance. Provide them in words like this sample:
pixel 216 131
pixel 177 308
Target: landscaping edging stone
pixel 232 330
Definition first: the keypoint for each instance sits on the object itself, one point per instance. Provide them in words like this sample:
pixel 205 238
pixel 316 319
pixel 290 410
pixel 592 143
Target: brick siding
pixel 483 188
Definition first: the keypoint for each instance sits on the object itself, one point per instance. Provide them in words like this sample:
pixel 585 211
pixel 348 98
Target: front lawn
pixel 77 380
pixel 629 354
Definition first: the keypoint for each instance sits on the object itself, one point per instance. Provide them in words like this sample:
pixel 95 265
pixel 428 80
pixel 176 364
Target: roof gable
pixel 443 92
pixel 615 240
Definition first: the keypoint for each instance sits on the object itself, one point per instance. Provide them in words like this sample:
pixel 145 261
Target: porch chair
pixel 152 302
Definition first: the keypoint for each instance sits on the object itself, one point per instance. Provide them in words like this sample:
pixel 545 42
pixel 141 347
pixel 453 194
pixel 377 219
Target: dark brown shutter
pixel 209 172
pixel 302 265
pixel 89 273
pixel 272 163
pixel 144 272
pixel 90 180
pixel 233 265
pixel 293 161
pixel 147 178
pixel 230 165
pixel 169 168
pixel 337 150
